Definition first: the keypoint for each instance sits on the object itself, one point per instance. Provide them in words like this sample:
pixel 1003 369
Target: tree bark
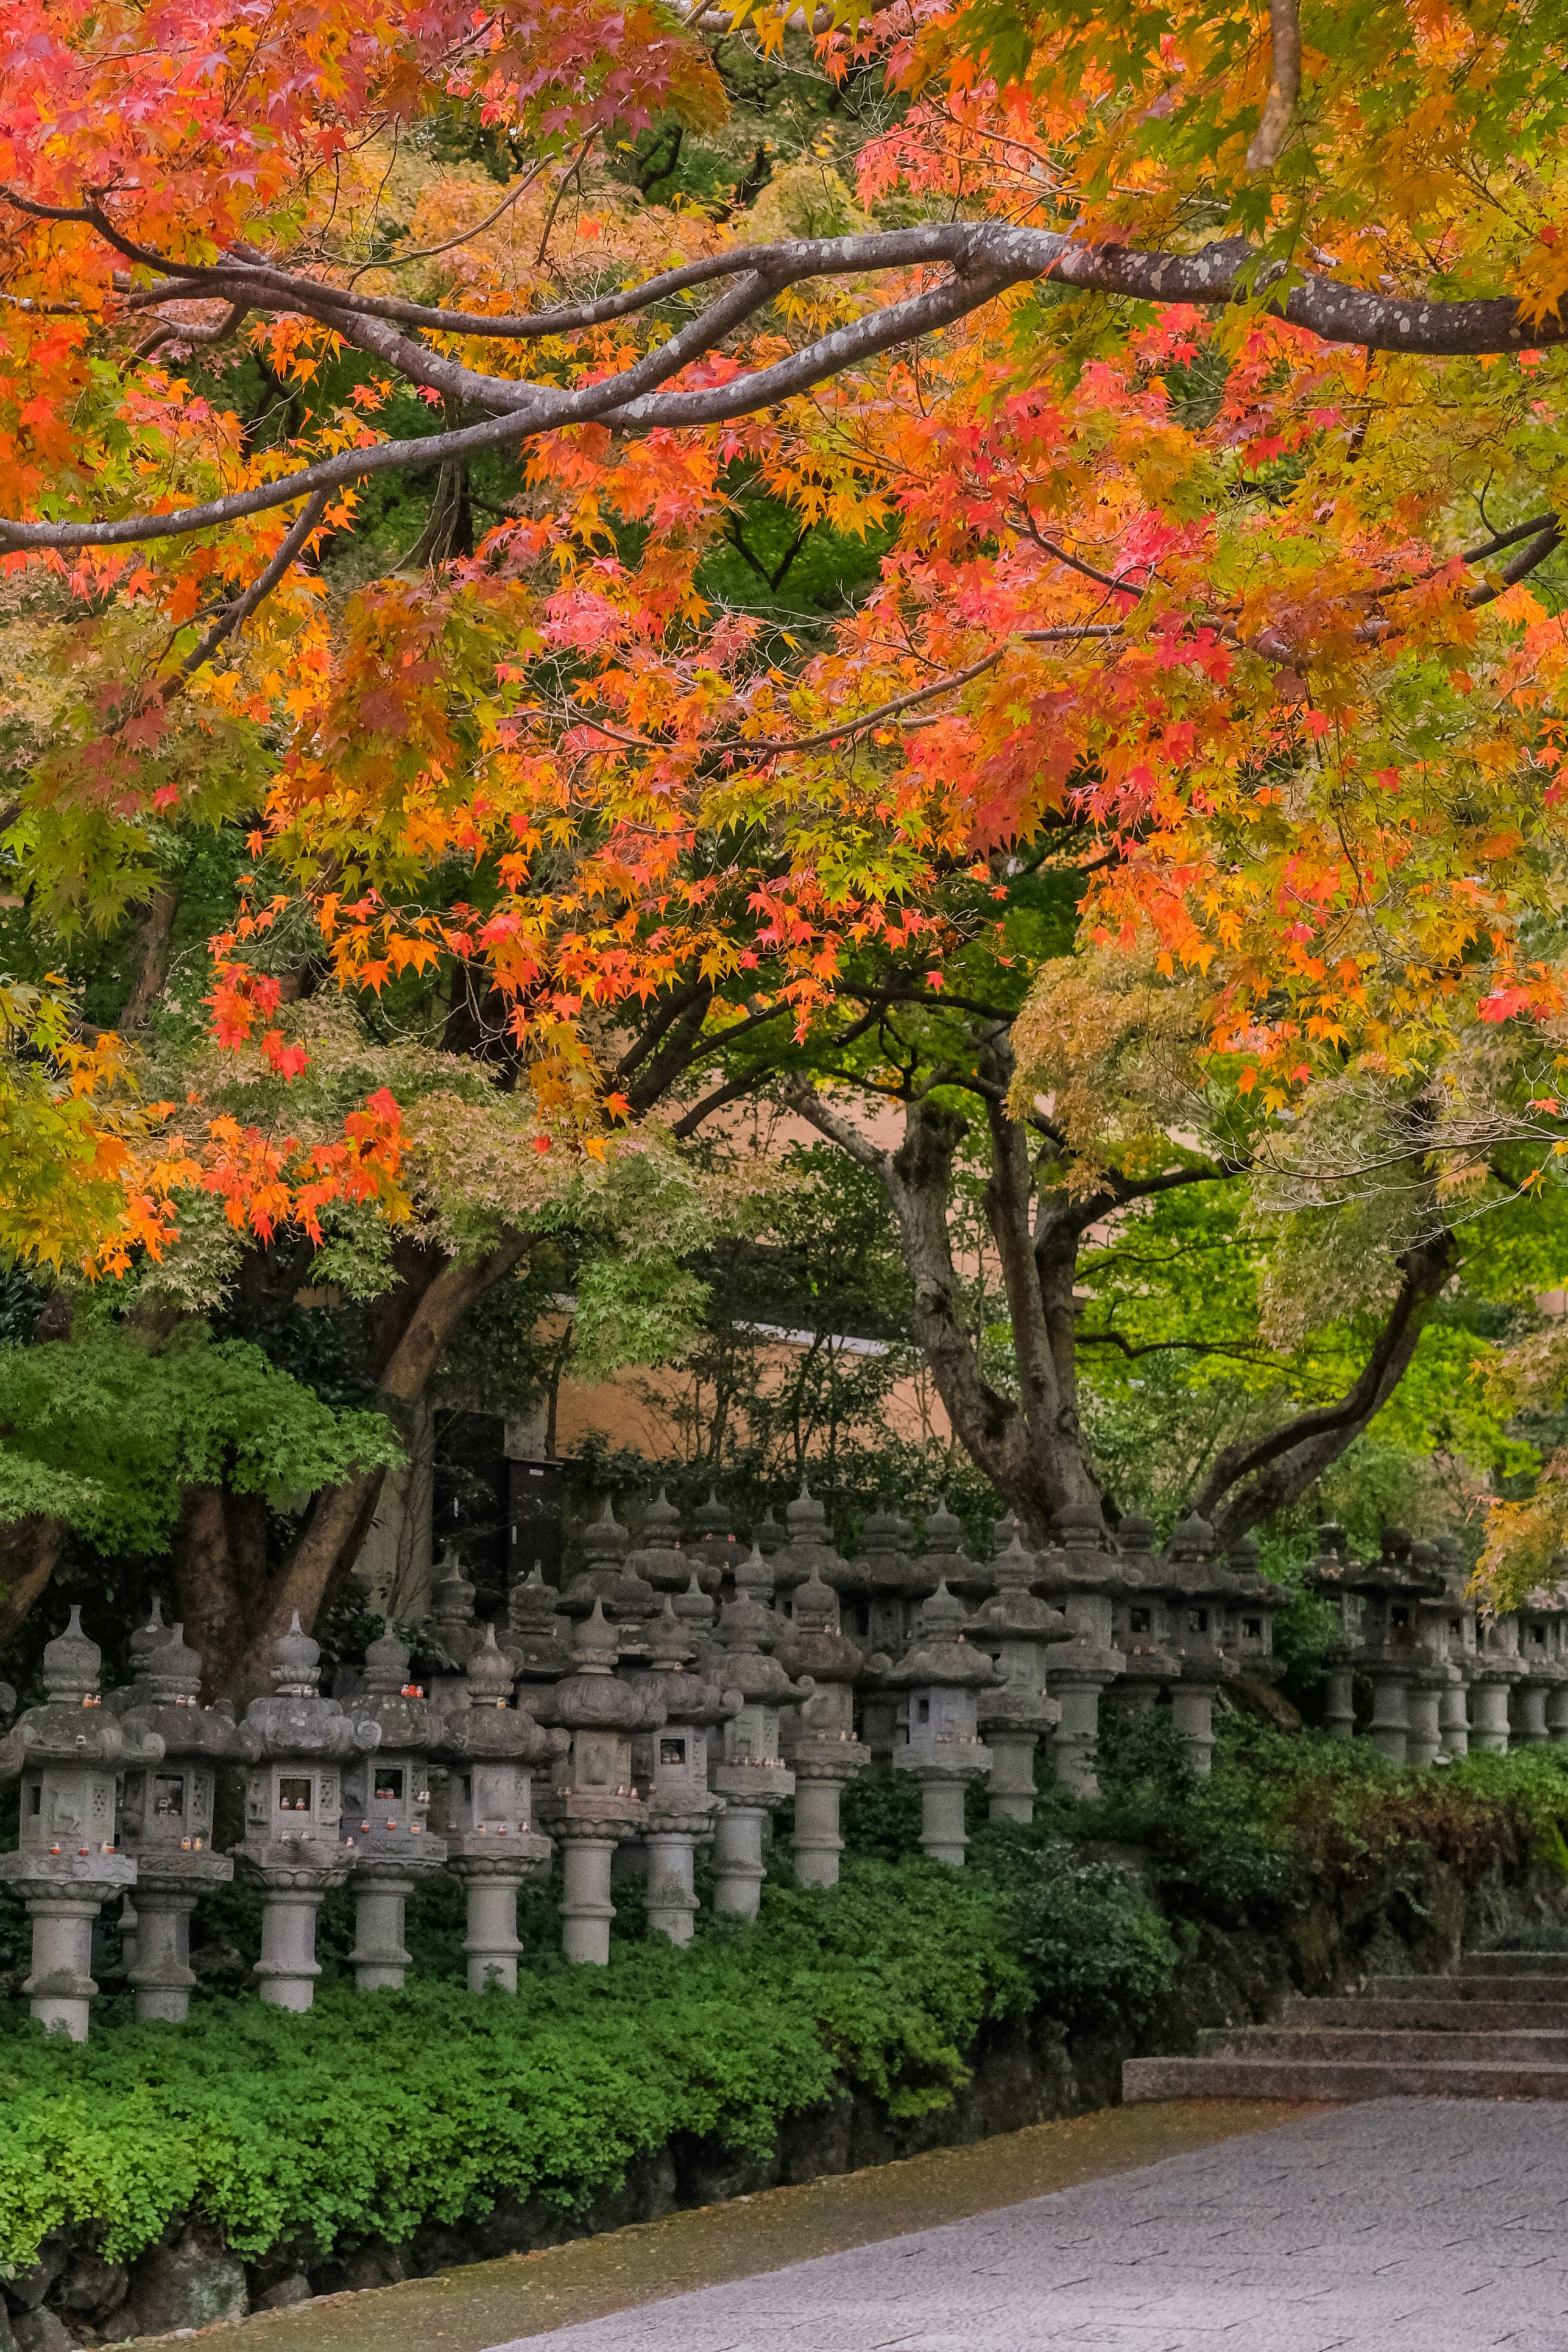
pixel 207 1588
pixel 330 1541
pixel 28 1553
pixel 1249 1481
pixel 154 937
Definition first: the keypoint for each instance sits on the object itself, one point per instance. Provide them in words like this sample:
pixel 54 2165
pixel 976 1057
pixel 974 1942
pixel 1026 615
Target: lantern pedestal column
pixel 751 1793
pixel 823 1769
pixel 166 1894
pixel 490 1870
pixel 1078 1673
pixel 381 1895
pixel 1454 1718
pixel 1489 1715
pixel 1527 1714
pixel 1339 1702
pixel 1390 1730
pixel 1557 1713
pixel 63 1905
pixel 1428 1688
pixel 587 1849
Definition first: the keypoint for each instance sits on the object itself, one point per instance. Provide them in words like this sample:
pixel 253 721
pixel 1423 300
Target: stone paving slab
pixel 1408 2225
pixel 755 2237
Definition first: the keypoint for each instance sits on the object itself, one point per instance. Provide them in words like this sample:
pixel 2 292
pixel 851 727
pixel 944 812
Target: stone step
pixel 1427 2016
pixel 1515 1963
pixel 1399 2047
pixel 1465 1988
pixel 1342 2079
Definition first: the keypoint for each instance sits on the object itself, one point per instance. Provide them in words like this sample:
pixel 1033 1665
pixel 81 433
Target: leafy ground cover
pixel 376 2114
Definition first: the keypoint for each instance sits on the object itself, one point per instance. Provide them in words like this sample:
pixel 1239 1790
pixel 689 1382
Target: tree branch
pixel 985 257
pixel 1284 88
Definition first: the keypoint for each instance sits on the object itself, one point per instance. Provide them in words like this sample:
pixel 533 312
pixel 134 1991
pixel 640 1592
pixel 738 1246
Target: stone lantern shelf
pixel 167 1819
pixel 294 1849
pixel 1145 1620
pixel 944 1675
pixel 1015 1627
pixel 818 1738
pixel 593 1804
pixel 491 1749
pixel 1080 1573
pixel 387 1798
pixel 670 1765
pixel 749 1772
pixel 66 1865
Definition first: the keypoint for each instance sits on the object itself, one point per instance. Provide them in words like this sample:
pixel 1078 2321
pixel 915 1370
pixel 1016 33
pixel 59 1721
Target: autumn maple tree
pixel 1192 380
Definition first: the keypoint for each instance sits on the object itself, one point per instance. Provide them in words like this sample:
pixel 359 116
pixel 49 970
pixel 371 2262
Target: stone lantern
pixel 1200 1591
pixel 452 1630
pixel 1329 1573
pixel 1015 1627
pixel 807 1549
pixel 65 1864
pixel 672 1767
pixel 594 1804
pixel 1252 1603
pixel 1143 1621
pixel 1079 1574
pixel 944 1675
pixel 749 1772
pixel 294 1848
pixel 538 1636
pixel 609 1580
pixel 1392 1585
pixel 1539 1616
pixel 386 1797
pixel 714 1546
pixel 1497 1667
pixel 1434 1673
pixel 767 1536
pixel 167 1819
pixel 819 1743
pixel 945 1561
pixel 1459 1644
pixel 145 1641
pixel 659 1560
pixel 490 1750
pixel 889 1587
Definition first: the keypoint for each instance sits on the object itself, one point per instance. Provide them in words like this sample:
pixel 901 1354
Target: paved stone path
pixel 1408 2225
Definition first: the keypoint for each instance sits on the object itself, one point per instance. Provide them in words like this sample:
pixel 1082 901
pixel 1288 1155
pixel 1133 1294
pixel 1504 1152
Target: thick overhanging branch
pixel 984 256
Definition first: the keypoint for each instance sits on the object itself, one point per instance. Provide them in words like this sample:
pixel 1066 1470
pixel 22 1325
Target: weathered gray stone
pixel 376 2264
pixel 7 2340
pixel 90 2285
pixel 41 2331
pixel 28 2288
pixel 289 2290
pixel 191 2281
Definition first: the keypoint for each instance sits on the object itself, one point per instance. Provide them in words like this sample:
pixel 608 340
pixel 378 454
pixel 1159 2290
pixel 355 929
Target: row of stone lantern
pixel 1444 1679
pixel 678 1693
